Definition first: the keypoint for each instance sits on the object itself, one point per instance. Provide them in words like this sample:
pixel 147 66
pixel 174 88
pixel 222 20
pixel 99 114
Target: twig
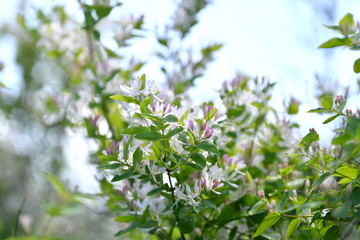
pixel 18 215
pixel 173 198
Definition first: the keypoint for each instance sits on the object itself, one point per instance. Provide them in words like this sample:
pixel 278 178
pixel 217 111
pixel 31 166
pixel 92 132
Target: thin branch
pixel 18 215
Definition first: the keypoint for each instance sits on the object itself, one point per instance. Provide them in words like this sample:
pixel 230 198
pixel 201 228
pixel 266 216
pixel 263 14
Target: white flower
pixel 163 109
pixel 190 196
pixel 157 206
pixel 211 179
pixel 135 90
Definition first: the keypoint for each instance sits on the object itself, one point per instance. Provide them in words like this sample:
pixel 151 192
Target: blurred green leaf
pixel 186 225
pixel 145 215
pixel 268 221
pixel 260 205
pixel 342 211
pixel 208 146
pixel 320 110
pixel 126 174
pixel 320 180
pixel 327 102
pixel 347 22
pixel 199 159
pixel 293 225
pixel 332 233
pixel 309 139
pixel 173 132
pixel 136 130
pixel 357 66
pixel 170 118
pixel 129 218
pixel 137 157
pixel 133 226
pixel 110 166
pixel 123 98
pixel 144 104
pixel 149 136
pixel 332 118
pixel 336 42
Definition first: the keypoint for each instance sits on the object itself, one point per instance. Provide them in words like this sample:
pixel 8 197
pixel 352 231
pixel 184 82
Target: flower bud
pixel 261 193
pixel 349 112
pixel 312 130
pixel 191 125
pixel 315 146
pixel 349 189
pixel 307 183
pixel 235 82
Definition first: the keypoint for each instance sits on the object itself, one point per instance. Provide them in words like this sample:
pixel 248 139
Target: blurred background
pixel 52 73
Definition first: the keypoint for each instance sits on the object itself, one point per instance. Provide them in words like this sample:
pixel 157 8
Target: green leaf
pixel 58 185
pixel 143 81
pixel 320 110
pixel 110 166
pixel 170 118
pixel 342 211
pixel 186 224
pixel 258 206
pixel 357 66
pixel 129 218
pixel 111 54
pixel 136 130
pixel 330 119
pixel 123 98
pixel 211 114
pixel 342 139
pixel 346 172
pixel 173 132
pixel 293 108
pixel 144 104
pixel 191 136
pixel 154 191
pixel 327 102
pixel 283 201
pixel 145 214
pixel 228 214
pixel 292 227
pixel 208 146
pixel 308 140
pixel 156 120
pixel 199 159
pixel 2 85
pixel 332 233
pixel 126 174
pixel 335 28
pixel 268 221
pixel 133 226
pixel 108 158
pixel 194 166
pixel 347 21
pixel 336 42
pixel 137 157
pixel 320 180
pixel 149 136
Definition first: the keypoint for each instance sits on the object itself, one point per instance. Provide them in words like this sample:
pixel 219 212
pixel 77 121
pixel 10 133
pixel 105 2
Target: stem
pixel 297 216
pixel 172 189
pixel 17 216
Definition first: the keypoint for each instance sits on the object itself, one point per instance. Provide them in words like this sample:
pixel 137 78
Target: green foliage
pixel 350 31
pixel 172 170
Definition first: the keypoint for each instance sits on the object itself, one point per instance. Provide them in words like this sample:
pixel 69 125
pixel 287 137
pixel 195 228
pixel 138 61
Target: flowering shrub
pixel 208 174
pixel 173 170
